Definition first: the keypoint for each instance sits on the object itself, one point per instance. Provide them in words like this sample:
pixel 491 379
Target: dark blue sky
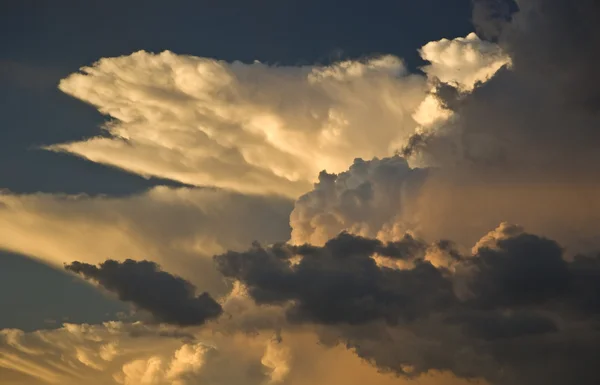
pixel 43 41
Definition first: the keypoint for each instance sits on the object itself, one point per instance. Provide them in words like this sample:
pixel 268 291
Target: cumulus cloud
pixel 521 292
pixel 339 282
pixel 167 297
pixel 386 198
pixel 464 61
pixel 370 198
pixel 186 362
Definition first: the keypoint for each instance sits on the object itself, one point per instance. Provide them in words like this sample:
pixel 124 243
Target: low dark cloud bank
pixel 339 282
pixel 168 298
pixel 520 294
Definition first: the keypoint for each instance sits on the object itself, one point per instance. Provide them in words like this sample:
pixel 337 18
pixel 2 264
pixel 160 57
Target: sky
pixel 299 192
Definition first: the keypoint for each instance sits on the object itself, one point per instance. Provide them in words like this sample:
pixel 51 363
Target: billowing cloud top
pixel 463 62
pixel 372 198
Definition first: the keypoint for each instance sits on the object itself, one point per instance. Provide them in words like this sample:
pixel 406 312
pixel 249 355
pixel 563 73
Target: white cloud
pixel 248 127
pixel 258 128
pixel 463 61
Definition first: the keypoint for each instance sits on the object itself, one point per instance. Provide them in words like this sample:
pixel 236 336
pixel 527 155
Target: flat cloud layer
pixel 134 354
pixel 179 228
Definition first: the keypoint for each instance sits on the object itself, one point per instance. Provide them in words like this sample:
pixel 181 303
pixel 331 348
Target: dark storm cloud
pixel 523 294
pixel 494 326
pixel 406 248
pixel 343 279
pixel 168 298
pixel 522 270
pixel 340 282
pixel 585 270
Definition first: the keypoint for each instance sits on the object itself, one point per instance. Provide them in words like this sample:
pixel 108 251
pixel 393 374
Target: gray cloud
pixel 168 298
pixel 523 294
pixel 521 270
pixel 372 198
pixel 339 282
pixel 496 326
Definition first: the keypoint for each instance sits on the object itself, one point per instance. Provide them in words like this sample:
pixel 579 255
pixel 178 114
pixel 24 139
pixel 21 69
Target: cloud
pixel 167 297
pixel 135 354
pixel 258 128
pixel 518 292
pixel 370 198
pixel 277 358
pixel 386 198
pixel 496 326
pixel 178 228
pixel 463 62
pixel 252 128
pixel 537 120
pixel 490 16
pixel 74 353
pixel 386 263
pixel 521 270
pixel 339 282
pixel 186 361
